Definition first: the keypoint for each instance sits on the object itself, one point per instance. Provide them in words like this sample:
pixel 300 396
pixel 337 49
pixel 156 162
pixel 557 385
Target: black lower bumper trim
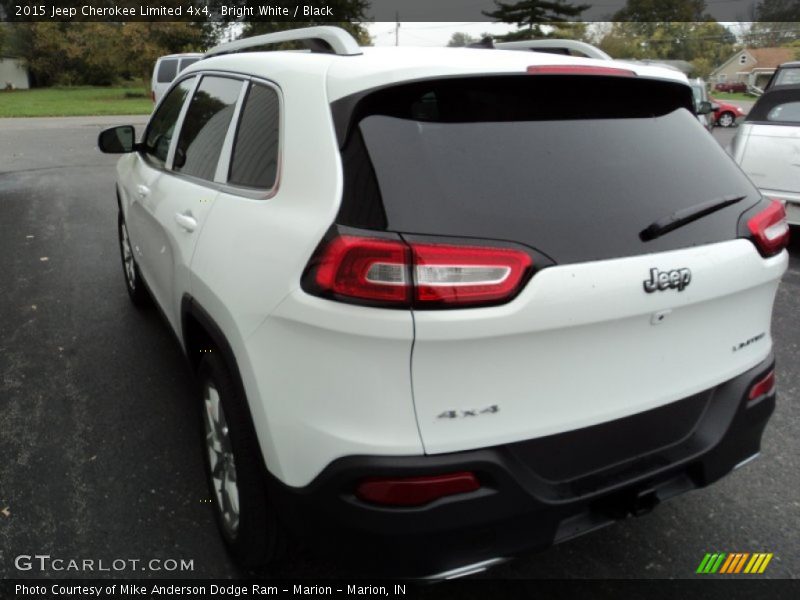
pixel 528 501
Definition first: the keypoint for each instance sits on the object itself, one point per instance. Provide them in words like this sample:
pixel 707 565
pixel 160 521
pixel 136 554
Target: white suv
pixel 454 304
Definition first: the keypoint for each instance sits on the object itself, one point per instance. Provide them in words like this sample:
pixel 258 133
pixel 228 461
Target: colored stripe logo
pixel 734 563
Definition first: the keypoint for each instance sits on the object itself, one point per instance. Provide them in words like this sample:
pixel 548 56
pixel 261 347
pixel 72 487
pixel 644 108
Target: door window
pixel 159 132
pixel 205 127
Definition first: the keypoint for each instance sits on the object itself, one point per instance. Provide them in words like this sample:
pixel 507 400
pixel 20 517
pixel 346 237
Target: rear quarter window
pixel 254 162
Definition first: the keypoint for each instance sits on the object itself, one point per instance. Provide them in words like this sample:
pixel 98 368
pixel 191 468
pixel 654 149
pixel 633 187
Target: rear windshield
pixel 576 173
pixel 167 70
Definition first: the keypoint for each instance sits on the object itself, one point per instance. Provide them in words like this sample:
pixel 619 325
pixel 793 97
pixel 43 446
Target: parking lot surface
pixel 100 436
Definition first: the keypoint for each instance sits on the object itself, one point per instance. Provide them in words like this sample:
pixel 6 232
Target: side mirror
pixel 704 108
pixel 117 140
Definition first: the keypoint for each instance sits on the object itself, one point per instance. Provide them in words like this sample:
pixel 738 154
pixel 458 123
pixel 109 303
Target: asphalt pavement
pixel 100 439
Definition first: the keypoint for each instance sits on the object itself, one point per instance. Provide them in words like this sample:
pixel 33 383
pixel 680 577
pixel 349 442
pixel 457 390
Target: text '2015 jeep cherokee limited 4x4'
pixel 441 304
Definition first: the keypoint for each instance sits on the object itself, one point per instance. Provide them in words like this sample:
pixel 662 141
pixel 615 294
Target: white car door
pixel 172 200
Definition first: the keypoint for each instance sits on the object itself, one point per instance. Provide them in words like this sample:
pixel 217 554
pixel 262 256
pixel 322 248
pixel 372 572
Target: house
pixel 753 66
pixel 13 74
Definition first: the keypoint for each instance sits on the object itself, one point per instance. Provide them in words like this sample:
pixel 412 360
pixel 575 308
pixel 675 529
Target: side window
pixel 162 126
pixel 185 62
pixel 167 70
pixel 254 162
pixel 788 112
pixel 205 127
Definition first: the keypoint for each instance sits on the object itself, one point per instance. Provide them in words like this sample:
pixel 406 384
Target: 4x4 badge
pixel 660 281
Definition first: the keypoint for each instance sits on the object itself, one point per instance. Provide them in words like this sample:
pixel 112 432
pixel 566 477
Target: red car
pixel 726 114
pixel 731 87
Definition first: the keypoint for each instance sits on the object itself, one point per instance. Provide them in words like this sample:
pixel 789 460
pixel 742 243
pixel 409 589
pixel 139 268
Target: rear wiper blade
pixel 685 216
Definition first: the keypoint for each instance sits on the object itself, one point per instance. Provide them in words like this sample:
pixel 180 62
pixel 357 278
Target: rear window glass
pixel 167 70
pixel 255 152
pixel 786 113
pixel 519 160
pixel 205 127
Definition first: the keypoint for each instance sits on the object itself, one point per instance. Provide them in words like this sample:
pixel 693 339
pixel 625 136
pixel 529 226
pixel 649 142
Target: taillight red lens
pixel 365 268
pixel 415 491
pixel 464 275
pixel 770 229
pixel 579 70
pixel 396 273
pixel 763 386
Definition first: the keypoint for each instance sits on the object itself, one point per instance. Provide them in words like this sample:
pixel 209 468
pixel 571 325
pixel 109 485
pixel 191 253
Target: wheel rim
pixel 726 120
pixel 127 257
pixel 220 460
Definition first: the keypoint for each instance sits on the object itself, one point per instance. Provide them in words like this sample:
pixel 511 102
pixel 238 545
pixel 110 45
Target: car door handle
pixel 186 220
pixel 142 191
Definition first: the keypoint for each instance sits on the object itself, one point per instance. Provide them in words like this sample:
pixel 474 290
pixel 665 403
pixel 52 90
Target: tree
pixel 460 39
pixel 775 23
pixel 529 15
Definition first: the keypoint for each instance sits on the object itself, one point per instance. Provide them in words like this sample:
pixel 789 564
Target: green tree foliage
pixel 669 30
pixel 775 23
pixel 94 53
pixel 460 39
pixel 530 15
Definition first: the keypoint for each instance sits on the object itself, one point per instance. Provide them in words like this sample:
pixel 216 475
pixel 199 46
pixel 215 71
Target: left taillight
pixel 770 229
pixel 396 273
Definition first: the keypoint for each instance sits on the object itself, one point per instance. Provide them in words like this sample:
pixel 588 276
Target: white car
pixel 166 70
pixel 442 310
pixel 767 146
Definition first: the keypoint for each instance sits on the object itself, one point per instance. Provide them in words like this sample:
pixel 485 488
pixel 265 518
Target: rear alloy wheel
pixel 133 280
pixel 726 119
pixel 235 471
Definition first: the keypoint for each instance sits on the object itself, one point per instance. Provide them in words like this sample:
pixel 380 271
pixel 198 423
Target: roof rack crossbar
pixel 325 38
pixel 553 44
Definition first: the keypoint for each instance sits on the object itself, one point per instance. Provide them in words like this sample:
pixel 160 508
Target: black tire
pixel 257 539
pixel 130 271
pixel 726 119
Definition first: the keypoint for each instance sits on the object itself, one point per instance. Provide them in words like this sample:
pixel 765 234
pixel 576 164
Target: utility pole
pixel 397 28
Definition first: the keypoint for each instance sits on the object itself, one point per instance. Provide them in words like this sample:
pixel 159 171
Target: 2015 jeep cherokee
pixel 456 303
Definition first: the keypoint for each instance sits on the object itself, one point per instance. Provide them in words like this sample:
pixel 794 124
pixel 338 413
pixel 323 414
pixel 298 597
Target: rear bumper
pixel 537 493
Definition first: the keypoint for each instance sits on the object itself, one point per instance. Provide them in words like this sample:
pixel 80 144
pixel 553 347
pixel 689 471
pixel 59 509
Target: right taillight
pixel 770 229
pixel 396 273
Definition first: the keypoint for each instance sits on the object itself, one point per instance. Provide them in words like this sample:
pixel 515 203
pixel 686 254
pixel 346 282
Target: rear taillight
pixel 365 269
pixel 770 229
pixel 415 491
pixel 763 386
pixel 395 273
pixel 579 70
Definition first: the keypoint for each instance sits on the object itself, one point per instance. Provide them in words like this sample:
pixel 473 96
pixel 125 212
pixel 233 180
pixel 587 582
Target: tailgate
pixel 584 344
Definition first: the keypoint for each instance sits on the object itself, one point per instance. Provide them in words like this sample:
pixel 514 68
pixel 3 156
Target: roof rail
pixel 554 46
pixel 332 40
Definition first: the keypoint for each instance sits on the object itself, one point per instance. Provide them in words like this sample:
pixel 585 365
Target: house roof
pixel 770 58
pixel 766 58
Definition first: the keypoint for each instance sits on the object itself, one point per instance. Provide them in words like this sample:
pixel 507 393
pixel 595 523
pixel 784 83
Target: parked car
pixel 417 334
pixel 704 108
pixel 732 87
pixel 726 113
pixel 785 74
pixel 766 146
pixel 166 69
